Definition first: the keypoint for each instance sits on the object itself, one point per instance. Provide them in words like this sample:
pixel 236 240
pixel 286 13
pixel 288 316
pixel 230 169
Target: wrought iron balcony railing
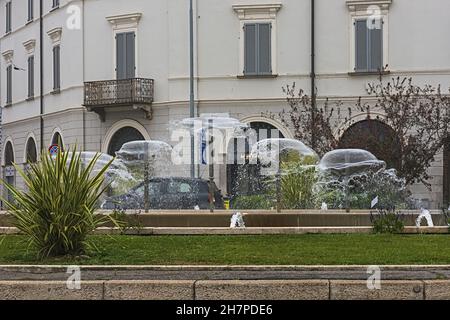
pixel 118 92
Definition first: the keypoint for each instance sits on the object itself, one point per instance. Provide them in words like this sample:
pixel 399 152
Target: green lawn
pixel 241 250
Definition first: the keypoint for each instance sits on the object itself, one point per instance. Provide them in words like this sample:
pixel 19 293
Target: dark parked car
pixel 168 193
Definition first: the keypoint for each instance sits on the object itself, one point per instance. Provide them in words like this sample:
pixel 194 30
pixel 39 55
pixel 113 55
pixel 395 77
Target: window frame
pixel 31 77
pixel 30 15
pixel 56 73
pixel 9 85
pixel 55 4
pixel 8 17
pixel 259 14
pixel 361 15
pixel 136 51
pixel 257 73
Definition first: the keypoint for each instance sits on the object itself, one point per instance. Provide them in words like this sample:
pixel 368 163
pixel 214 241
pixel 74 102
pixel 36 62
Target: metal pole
pixel 191 98
pixel 211 166
pixel 146 186
pixel 278 190
pixel 146 178
pixel 313 78
pixel 41 74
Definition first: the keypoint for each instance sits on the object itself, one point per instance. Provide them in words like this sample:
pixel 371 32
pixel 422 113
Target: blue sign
pixel 203 147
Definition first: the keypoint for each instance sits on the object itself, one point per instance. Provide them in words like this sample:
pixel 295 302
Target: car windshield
pixel 154 187
pixel 179 187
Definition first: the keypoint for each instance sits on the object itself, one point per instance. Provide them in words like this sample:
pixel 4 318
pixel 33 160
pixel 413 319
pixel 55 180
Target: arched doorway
pixel 122 136
pixel 376 137
pixel 9 172
pixel 30 154
pixel 240 181
pixel 31 151
pixel 58 140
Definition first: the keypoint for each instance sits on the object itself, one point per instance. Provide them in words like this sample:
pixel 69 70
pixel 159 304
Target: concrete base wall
pixel 225 290
pixel 254 219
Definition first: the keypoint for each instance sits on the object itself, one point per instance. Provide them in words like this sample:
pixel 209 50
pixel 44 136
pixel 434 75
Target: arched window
pixel 376 137
pixel 122 136
pixel 57 140
pixel 31 151
pixel 9 172
pixel 9 154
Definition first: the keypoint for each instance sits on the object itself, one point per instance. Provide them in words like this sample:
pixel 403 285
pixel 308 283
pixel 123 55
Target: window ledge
pixel 56 91
pixel 30 99
pixel 9 104
pixel 7 33
pixel 54 8
pixel 257 76
pixel 29 21
pixel 368 73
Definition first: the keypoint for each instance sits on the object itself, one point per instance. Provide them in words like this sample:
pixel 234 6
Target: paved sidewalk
pixel 54 273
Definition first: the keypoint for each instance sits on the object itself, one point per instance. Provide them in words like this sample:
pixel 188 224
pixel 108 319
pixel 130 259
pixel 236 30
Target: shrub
pixel 297 184
pixel 252 202
pixel 387 222
pixel 57 212
pixel 360 190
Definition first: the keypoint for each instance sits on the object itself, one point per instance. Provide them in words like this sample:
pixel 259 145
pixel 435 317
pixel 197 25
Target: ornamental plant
pixel 57 212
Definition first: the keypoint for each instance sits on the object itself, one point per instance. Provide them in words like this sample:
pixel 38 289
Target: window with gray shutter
pixel 30 76
pixel 257 50
pixel 8 85
pixel 56 67
pixel 369 47
pixel 125 55
pixel 30 10
pixel 8 17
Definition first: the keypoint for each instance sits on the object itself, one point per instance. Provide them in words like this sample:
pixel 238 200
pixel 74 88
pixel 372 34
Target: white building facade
pixel 98 73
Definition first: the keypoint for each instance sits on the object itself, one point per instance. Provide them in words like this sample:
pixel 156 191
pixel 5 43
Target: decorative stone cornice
pixel 8 56
pixel 125 20
pixel 257 11
pixel 55 34
pixel 363 5
pixel 29 46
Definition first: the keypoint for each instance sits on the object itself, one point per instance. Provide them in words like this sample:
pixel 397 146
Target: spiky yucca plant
pixel 58 210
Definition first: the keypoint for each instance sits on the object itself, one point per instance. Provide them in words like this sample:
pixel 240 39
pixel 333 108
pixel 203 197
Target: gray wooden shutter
pixel 264 48
pixel 121 56
pixel 8 17
pixel 376 48
pixel 250 48
pixel 130 39
pixel 9 85
pixel 361 44
pixel 56 68
pixel 125 55
pixel 30 10
pixel 31 76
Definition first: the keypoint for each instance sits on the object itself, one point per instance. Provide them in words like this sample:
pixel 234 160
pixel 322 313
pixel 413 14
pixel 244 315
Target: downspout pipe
pixel 41 72
pixel 313 76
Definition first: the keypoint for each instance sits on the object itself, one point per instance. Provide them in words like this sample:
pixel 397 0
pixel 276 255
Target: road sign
pixel 53 149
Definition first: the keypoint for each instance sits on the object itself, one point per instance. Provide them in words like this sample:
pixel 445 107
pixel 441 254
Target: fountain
pixel 424 214
pixel 355 178
pixel 237 221
pixel 286 166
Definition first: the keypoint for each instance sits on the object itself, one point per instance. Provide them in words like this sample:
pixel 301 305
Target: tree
pixel 313 125
pixel 419 117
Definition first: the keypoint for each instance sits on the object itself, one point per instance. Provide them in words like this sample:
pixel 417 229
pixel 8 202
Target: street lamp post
pixel 191 80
